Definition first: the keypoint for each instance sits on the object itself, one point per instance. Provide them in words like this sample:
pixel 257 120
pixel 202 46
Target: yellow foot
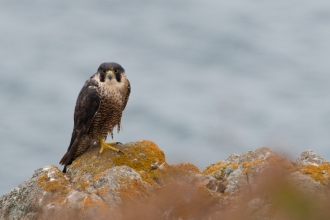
pixel 109 145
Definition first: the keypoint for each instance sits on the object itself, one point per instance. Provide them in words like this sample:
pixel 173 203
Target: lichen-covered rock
pixel 139 184
pixel 309 157
pixel 23 201
pixel 93 184
pixel 319 173
pixel 307 184
pixel 254 177
pixel 244 170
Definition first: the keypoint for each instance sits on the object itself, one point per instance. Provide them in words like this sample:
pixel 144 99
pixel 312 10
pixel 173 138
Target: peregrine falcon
pixel 98 110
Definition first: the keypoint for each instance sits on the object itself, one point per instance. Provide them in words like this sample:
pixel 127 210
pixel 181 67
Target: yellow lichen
pixel 91 162
pixel 319 173
pixel 247 165
pixel 56 183
pixel 133 189
pixel 139 156
pixel 217 170
pixel 49 186
pixel 168 173
pixel 81 184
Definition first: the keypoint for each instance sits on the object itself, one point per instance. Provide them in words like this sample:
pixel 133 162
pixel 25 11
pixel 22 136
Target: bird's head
pixel 110 71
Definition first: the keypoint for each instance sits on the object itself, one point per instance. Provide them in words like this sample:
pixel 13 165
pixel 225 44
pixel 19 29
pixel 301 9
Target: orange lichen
pixel 175 191
pixel 247 165
pixel 167 173
pixel 136 190
pixel 139 156
pixel 55 184
pixel 100 206
pixel 217 170
pixel 49 186
pixel 102 192
pixel 97 176
pixel 319 173
pixel 132 190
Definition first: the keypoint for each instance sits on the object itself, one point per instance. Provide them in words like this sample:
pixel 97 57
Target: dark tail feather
pixel 64 158
pixel 69 155
pixel 64 161
pixel 64 169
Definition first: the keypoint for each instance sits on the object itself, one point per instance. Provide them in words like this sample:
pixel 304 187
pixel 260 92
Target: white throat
pixel 113 83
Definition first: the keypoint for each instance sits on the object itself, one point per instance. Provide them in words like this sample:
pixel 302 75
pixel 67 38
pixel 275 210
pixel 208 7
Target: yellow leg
pixel 109 145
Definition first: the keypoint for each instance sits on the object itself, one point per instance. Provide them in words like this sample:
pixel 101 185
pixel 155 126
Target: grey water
pixel 209 78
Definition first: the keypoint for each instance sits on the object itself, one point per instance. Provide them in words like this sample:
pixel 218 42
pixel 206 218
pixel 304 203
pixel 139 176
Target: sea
pixel 209 78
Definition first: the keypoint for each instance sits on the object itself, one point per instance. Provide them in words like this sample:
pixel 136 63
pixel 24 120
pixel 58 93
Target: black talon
pixel 120 151
pixel 119 143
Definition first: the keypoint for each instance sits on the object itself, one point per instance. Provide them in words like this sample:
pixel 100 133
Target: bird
pixel 98 110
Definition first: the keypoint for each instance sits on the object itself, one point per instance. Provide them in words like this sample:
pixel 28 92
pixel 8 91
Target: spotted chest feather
pixel 109 114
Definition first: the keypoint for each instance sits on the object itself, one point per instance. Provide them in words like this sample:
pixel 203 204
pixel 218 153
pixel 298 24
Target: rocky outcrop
pixel 139 184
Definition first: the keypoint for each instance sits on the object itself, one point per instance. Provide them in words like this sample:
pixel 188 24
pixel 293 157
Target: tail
pixel 70 155
pixel 64 161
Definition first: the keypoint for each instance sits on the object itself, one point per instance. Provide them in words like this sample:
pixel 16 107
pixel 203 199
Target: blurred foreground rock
pixel 140 184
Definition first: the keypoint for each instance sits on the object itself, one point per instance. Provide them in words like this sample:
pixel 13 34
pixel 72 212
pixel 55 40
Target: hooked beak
pixel 110 74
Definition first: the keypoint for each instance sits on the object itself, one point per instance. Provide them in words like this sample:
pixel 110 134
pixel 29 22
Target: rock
pixel 309 157
pixel 93 184
pixel 232 158
pixel 216 186
pixel 139 184
pixel 235 180
pixel 307 184
pixel 252 178
pixel 23 201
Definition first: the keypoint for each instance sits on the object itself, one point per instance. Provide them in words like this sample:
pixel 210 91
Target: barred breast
pixel 109 115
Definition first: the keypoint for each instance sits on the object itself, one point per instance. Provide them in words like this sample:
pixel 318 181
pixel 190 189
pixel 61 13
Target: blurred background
pixel 209 78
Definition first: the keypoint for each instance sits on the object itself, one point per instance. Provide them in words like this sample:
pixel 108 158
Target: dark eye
pixel 116 70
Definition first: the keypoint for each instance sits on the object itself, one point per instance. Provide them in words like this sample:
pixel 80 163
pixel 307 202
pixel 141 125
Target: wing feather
pixel 127 95
pixel 87 105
